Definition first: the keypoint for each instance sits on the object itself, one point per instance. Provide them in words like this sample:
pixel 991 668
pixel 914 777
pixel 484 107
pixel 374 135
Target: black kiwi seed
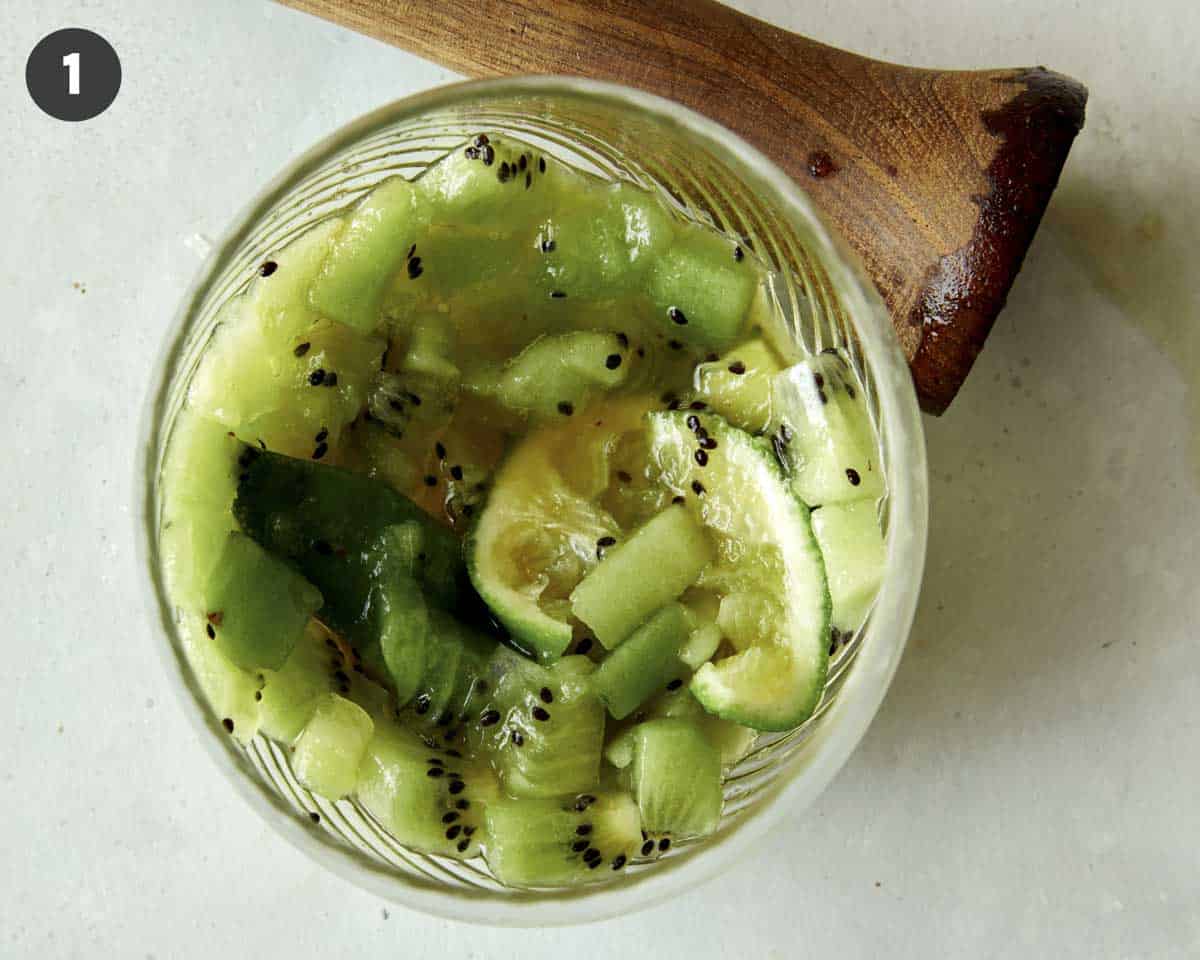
pixel 435 772
pixel 468 831
pixel 547 245
pixel 622 340
pixel 489 718
pixel 708 443
pixel 430 481
pixel 488 154
pixel 320 451
pixel 853 477
pixel 451 816
pixel 481 140
pixel 503 173
pixel 517 738
pixel 584 645
pixel 565 408
pixel 541 164
pixel 546 695
pixel 522 161
pixel 674 344
pixel 456 472
pixel 675 684
pixel 823 396
pixel 540 713
pixel 322 435
pixel 302 348
pixel 583 829
pixel 409 256
pixel 314 817
pixel 436 761
pixel 462 846
pixel 463 805
pixel 212 634
pixel 677 316
pixel 697 487
pixel 440 449
pixel 618 861
pixel 701 457
pixel 818 380
pixel 580 845
pixel 647 848
pixel 317 377
pixel 693 422
pixel 677 500
pixel 453 832
pixel 414 268
pixel 456 786
pixel 528 180
pixel 455 753
pixel 257 694
pixel 738 254
pixel 850 391
pixel 612 361
pixel 697 405
pixel 471 153
pixel 557 295
pixel 737 368
pixel 664 844
pixel 422 704
pixel 624 476
pixel 268 268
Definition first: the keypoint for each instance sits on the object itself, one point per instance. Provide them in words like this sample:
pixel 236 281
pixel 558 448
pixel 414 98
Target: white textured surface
pixel 1029 787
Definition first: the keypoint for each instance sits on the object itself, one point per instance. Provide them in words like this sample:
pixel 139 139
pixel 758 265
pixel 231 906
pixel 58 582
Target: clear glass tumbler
pixel 821 300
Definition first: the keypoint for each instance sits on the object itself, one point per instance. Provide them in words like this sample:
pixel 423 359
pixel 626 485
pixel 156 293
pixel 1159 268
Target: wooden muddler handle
pixel 937 178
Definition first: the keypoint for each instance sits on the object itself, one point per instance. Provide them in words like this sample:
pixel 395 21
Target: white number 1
pixel 71 62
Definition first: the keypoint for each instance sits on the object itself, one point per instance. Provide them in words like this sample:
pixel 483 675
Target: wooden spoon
pixel 937 178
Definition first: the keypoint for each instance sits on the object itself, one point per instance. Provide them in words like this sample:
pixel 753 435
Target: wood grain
pixel 938 179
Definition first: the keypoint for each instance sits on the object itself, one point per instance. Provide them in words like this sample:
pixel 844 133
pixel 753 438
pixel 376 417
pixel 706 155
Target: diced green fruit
pixel 426 797
pixel 367 254
pixel 454 663
pixel 297 375
pixel 852 544
pixel 701 644
pixel 549 842
pixel 676 777
pixel 230 690
pixel 598 246
pixel 739 385
pixel 257 605
pixel 558 373
pixel 619 750
pixel 429 349
pixel 401 618
pixel 701 291
pixel 331 747
pixel 536 538
pixel 408 403
pixel 654 566
pixel 764 542
pixel 644 663
pixel 824 434
pixel 290 694
pixel 544 728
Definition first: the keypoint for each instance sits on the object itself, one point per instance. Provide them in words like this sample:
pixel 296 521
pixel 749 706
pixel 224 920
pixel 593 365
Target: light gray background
pixel 1030 785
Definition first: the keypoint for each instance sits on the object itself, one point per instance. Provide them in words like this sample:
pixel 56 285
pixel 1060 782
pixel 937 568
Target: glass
pixel 821 299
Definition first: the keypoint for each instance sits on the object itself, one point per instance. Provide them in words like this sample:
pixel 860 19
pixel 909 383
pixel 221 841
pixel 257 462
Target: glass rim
pixel 802 777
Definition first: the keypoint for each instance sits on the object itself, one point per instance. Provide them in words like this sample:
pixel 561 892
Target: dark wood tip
pixel 966 290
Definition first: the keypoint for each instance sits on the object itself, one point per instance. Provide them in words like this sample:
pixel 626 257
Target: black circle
pixel 97 69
